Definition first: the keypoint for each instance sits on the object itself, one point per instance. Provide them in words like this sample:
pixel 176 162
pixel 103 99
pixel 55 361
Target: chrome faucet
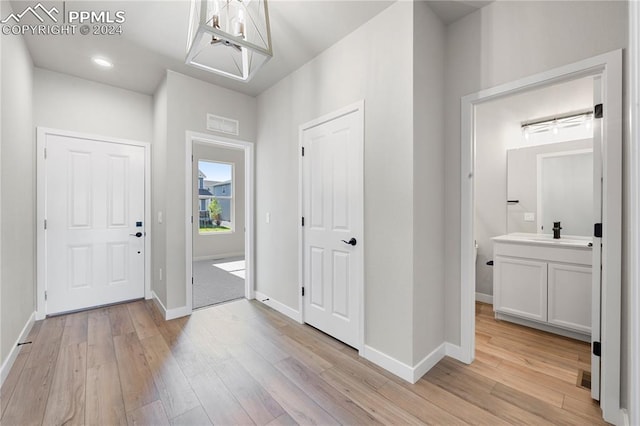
pixel 556 230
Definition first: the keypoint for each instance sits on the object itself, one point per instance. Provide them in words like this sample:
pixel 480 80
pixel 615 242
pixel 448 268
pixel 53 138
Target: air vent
pixel 222 124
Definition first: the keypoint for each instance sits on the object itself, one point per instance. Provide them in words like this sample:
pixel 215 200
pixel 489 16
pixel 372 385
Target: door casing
pixel 609 67
pixel 41 137
pixel 358 108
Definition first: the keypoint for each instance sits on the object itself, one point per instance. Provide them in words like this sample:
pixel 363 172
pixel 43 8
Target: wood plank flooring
pixel 243 363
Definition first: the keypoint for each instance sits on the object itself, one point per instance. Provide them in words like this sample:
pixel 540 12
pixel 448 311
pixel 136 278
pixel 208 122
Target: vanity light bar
pixel 564 120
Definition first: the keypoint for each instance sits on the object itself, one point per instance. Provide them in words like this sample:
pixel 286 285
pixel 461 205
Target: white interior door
pixel 94 204
pixel 333 226
pixel 596 291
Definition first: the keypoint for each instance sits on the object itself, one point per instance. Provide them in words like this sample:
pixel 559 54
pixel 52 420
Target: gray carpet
pixel 217 281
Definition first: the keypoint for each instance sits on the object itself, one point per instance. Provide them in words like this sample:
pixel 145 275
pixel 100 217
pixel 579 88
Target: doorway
pixel 604 69
pixel 219 244
pixel 93 209
pixel 332 225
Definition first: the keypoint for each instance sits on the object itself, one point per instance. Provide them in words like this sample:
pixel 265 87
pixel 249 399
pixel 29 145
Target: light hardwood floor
pixel 242 363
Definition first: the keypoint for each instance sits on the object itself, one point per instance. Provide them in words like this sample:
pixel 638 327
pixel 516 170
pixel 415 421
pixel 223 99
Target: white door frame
pixel 633 306
pixel 248 149
pixel 609 66
pixel 357 107
pixel 41 192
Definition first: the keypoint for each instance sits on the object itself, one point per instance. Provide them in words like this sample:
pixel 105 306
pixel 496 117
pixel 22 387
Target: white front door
pixel 333 225
pixel 94 210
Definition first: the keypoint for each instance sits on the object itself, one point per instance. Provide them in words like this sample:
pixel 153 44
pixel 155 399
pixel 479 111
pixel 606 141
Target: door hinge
pixel 191 219
pixel 597 111
pixel 192 158
pixel 45 224
pixel 191 280
pixel 596 348
pixel 597 230
pixel 302 220
pixel 45 295
pixel 303 151
pixel 303 291
pixel 45 153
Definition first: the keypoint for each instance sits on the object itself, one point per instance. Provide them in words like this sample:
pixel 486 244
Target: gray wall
pixel 65 102
pixel 187 101
pixel 219 245
pixel 158 184
pixel 17 276
pixel 502 42
pixel 403 263
pixel 428 181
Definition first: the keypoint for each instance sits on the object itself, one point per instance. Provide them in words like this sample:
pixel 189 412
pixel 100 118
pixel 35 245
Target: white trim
pixel 544 327
pixel 609 66
pixel 279 306
pixel 454 351
pixel 15 349
pixel 218 256
pixel 356 107
pixel 484 298
pixel 399 368
pixel 173 313
pixel 248 148
pixel 41 188
pixel 632 416
pixel 624 417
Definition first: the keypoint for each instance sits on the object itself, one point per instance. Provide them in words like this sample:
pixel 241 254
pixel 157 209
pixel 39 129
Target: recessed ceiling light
pixel 104 63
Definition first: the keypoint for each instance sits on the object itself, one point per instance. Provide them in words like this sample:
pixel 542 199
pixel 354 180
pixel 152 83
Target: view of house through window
pixel 215 194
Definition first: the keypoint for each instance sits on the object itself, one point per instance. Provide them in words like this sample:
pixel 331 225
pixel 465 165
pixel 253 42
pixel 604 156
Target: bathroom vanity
pixel 544 283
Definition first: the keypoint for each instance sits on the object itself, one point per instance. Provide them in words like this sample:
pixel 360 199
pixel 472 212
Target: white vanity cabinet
pixel 542 283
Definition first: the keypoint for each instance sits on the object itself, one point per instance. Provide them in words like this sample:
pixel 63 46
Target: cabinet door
pixel 520 287
pixel 570 296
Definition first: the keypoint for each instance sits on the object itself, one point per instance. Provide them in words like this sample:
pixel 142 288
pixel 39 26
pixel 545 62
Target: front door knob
pixel 352 241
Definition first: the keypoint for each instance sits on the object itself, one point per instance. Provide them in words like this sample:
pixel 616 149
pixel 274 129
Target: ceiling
pixel 154 39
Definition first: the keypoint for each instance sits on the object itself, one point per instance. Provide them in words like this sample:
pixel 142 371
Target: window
pixel 215 192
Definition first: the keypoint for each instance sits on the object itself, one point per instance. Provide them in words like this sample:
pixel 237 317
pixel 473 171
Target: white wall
pixel 65 102
pixel 502 42
pixel 216 245
pixel 188 102
pixel 17 276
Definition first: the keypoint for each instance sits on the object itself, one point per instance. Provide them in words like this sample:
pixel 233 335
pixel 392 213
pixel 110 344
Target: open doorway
pixel 220 228
pixel 553 277
pixel 218 234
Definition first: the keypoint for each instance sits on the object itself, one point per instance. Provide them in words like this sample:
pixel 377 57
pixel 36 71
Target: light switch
pixel 268 218
pixel 159 217
pixel 529 217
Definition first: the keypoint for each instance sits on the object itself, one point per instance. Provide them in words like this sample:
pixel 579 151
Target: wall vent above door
pixel 223 125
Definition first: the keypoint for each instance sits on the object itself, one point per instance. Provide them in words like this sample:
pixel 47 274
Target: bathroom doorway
pixel 566 117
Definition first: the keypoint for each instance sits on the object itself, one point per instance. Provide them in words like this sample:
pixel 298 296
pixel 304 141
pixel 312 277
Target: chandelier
pixel 229 37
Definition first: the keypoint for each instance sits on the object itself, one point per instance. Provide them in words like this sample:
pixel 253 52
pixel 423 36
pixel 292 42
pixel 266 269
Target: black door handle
pixel 352 241
pixel 137 234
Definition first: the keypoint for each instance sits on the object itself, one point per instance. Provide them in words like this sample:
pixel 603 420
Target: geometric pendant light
pixel 229 37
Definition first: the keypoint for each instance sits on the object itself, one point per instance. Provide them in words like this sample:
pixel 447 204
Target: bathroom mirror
pixel 551 183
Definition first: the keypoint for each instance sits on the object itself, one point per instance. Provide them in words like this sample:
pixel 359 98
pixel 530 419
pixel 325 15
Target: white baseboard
pixel 15 350
pixel 218 256
pixel 173 313
pixel 280 307
pixel 484 298
pixel 624 417
pixel 454 351
pixel 399 368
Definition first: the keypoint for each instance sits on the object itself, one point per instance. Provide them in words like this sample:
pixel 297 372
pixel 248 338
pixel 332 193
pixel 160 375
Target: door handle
pixel 137 234
pixel 351 242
